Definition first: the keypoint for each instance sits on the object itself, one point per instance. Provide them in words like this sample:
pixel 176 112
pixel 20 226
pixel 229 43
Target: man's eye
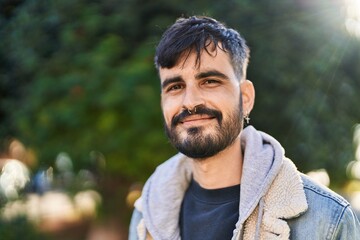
pixel 211 81
pixel 175 87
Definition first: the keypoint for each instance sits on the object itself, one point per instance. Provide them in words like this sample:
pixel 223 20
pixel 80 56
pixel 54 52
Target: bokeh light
pixel 14 177
pixel 352 22
pixel 320 176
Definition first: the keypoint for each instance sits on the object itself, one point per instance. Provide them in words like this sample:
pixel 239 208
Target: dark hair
pixel 197 34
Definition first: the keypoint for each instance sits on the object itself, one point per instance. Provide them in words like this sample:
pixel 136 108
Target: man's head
pixel 204 94
pixel 196 34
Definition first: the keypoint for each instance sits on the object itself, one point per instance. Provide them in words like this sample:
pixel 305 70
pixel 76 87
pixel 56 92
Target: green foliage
pixel 19 229
pixel 78 76
pixel 306 89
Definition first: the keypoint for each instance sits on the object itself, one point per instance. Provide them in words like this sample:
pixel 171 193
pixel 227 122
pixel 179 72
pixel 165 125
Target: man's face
pixel 213 88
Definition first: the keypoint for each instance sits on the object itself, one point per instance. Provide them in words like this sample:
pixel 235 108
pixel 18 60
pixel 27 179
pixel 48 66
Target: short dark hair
pixel 197 33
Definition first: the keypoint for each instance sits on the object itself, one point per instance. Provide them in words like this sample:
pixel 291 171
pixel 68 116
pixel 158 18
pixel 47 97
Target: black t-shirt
pixel 209 214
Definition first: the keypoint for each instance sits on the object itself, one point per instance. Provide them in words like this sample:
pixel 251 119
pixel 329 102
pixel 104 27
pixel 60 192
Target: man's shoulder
pixel 326 208
pixel 317 193
pixel 169 178
pixel 329 215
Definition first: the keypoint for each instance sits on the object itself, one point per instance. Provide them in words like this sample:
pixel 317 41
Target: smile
pixel 196 119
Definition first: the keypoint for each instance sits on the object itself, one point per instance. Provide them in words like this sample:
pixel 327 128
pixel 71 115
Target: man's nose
pixel 192 98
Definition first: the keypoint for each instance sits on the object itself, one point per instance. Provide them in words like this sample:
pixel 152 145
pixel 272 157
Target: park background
pixel 79 102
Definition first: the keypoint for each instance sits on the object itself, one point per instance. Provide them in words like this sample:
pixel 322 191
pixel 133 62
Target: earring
pixel 247 119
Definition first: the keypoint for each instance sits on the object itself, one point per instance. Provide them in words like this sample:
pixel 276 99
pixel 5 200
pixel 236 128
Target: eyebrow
pixel 171 80
pixel 211 73
pixel 178 79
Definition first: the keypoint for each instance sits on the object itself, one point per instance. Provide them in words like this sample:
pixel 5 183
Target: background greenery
pixel 78 76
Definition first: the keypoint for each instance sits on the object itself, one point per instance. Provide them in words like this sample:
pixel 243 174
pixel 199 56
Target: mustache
pixel 200 110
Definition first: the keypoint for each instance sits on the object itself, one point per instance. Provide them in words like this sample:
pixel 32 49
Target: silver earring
pixel 247 119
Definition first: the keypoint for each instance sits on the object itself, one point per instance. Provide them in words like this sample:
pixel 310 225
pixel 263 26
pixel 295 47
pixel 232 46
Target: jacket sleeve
pixel 135 221
pixel 349 226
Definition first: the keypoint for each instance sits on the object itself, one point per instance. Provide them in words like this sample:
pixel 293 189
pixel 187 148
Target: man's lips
pixel 202 115
pixel 195 119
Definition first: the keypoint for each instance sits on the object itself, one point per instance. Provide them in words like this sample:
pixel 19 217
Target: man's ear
pixel 248 96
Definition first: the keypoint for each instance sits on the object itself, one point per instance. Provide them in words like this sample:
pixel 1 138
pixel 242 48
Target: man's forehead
pixel 191 63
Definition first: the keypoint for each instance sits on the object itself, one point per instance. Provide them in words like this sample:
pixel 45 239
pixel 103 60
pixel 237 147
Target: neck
pixel 222 170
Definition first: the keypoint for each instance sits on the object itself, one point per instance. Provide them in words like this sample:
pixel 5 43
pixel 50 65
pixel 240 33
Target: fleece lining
pixel 267 178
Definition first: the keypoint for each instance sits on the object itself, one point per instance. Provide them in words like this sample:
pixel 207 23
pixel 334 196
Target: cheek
pixel 229 106
pixel 227 102
pixel 169 111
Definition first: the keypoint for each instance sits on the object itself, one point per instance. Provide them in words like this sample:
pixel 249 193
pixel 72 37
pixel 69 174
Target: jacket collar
pixel 284 200
pixel 263 161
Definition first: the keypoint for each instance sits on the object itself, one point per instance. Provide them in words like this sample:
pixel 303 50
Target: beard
pixel 199 145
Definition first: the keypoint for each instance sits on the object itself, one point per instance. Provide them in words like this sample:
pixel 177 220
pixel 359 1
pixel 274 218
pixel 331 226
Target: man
pixel 227 182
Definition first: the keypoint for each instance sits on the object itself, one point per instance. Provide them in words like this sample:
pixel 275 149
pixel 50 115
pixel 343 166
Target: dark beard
pixel 199 146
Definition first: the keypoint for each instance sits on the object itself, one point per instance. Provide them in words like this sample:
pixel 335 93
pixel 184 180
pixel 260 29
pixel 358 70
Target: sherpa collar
pixel 268 180
pixel 285 200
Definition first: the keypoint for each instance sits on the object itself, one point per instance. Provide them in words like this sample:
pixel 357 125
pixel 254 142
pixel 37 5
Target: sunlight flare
pixel 352 22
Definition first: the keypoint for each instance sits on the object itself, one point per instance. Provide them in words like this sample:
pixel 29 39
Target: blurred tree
pixel 78 76
pixel 306 87
pixel 18 229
